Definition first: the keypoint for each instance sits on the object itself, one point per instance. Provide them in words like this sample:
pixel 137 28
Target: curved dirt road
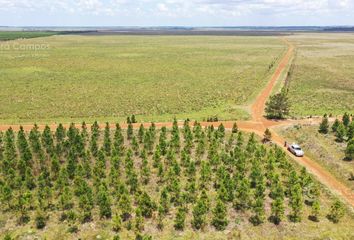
pixel 258 125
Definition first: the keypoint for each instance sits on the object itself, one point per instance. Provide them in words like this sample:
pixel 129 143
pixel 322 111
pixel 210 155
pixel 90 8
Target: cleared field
pixel 322 80
pixel 323 149
pixel 157 77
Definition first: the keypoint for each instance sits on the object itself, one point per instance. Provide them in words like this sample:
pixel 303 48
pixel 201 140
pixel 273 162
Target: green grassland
pixel 12 35
pixel 323 149
pixel 157 77
pixel 322 80
pixel 227 159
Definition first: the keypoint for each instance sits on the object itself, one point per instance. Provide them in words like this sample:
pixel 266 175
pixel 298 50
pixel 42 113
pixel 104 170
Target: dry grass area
pixel 322 80
pixel 239 229
pixel 156 77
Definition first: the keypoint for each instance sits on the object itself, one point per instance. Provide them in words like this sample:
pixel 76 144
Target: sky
pixel 176 12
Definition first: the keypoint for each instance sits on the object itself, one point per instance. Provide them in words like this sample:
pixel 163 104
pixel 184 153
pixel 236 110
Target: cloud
pixel 162 7
pixel 197 10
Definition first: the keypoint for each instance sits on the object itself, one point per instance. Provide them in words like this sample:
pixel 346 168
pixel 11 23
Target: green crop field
pixel 190 183
pixel 155 77
pixel 5 36
pixel 322 80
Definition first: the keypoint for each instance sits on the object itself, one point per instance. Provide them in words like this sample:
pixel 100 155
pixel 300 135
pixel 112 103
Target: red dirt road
pixel 258 125
pixel 259 105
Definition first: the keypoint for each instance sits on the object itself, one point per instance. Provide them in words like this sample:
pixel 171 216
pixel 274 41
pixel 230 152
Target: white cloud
pixel 178 9
pixel 162 7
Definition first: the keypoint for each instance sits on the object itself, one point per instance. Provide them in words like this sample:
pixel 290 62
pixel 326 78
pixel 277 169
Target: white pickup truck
pixel 296 150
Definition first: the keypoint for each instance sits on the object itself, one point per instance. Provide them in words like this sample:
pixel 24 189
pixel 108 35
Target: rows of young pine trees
pixel 193 175
pixel 343 130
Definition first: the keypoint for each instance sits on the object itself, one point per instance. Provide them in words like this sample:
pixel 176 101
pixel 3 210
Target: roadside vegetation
pixel 149 183
pixel 321 79
pixel 331 144
pixel 156 78
pixel 343 130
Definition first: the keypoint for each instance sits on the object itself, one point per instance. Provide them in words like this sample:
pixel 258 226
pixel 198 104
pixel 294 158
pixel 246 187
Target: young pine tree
pixel 66 199
pixel 107 142
pixel 139 220
pixel 221 131
pixel 40 219
pixel 117 223
pixel 349 151
pixel 242 199
pixel 341 132
pixel 350 132
pixel 160 218
pixel 335 125
pixel 296 203
pixel 10 155
pixel 146 205
pixel 324 126
pixel 277 207
pixel 23 207
pixel 47 140
pixel 267 136
pixel 180 219
pixel 6 195
pixel 145 171
pixel 337 211
pixel 104 202
pixel 346 120
pixel 219 220
pixel 125 206
pixel 135 146
pixel 315 210
pixel 235 128
pixel 259 212
pixel 199 218
pixel 141 133
pixel 1 147
pixel 130 131
pixel 23 147
pixel 278 105
pixel 86 205
pixel 133 119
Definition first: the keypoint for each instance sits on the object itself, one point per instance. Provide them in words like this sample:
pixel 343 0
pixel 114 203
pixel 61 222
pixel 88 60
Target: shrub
pixel 267 136
pixel 73 229
pixel 337 212
pixel 40 220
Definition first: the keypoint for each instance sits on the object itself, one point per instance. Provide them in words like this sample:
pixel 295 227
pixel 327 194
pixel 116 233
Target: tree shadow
pixel 274 220
pixel 313 218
